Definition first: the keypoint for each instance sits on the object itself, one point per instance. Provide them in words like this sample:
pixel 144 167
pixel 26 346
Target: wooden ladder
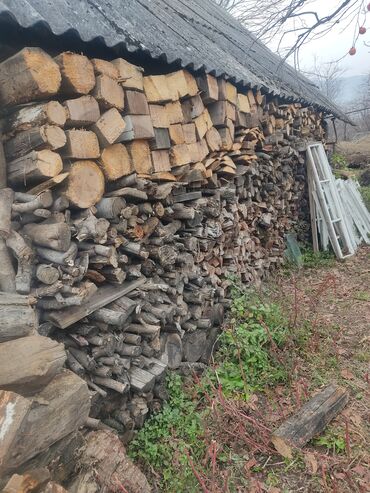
pixel 326 210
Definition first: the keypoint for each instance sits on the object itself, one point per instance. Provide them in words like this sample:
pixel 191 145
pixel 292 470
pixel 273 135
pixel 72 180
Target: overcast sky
pixel 335 44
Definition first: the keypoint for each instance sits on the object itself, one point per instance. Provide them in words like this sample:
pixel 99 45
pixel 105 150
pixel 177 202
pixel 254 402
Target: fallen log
pixel 310 420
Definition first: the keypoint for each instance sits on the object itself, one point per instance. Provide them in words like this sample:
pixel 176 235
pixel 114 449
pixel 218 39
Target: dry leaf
pixel 311 462
pixel 347 374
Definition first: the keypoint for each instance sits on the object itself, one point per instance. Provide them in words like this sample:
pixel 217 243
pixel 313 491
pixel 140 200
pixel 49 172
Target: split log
pixel 161 139
pixel 85 184
pixel 209 88
pixel 103 67
pixel 51 113
pixel 18 318
pixel 157 90
pixel 77 73
pixel 34 167
pixel 45 137
pixel 115 162
pixel 136 103
pixel 108 93
pixel 44 423
pixel 174 112
pixel 181 84
pixel 31 74
pixel 139 152
pixel 48 184
pixel 109 127
pixel 161 160
pixel 130 76
pixel 81 144
pixel 81 112
pixel 310 420
pixel 137 127
pixel 159 116
pixel 29 363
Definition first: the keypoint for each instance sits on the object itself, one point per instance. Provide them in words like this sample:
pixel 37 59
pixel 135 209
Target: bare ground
pixel 335 303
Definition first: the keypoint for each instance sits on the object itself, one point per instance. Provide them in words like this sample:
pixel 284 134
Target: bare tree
pixel 278 20
pixel 327 76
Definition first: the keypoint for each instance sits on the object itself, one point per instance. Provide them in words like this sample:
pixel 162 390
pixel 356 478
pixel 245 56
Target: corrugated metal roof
pixel 195 34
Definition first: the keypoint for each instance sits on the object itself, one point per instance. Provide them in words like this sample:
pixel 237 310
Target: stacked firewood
pixel 131 201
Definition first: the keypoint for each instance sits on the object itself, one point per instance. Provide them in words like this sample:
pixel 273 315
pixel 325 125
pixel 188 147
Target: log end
pixel 282 446
pixel 45 72
pixel 50 163
pixel 85 184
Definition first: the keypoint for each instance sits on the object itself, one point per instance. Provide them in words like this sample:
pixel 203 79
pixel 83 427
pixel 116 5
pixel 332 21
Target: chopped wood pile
pixel 126 202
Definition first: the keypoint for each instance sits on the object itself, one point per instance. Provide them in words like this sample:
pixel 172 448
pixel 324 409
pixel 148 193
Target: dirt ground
pixel 334 303
pixel 360 145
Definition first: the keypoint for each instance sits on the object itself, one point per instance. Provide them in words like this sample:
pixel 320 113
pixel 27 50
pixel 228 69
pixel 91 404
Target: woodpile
pixel 130 200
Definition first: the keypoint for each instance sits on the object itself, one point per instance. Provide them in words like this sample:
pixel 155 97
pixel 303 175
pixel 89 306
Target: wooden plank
pixel 104 295
pixel 310 420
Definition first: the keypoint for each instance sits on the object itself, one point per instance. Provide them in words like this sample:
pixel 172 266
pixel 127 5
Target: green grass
pixel 244 363
pixel 365 192
pixel 162 443
pixel 314 260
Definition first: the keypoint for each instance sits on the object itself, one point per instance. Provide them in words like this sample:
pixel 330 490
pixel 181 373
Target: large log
pixel 108 93
pixel 51 113
pixel 310 420
pixel 29 363
pixel 34 167
pixel 103 67
pixel 115 162
pixel 18 318
pixel 85 184
pixel 130 76
pixel 139 152
pixel 29 75
pixel 137 127
pixel 81 112
pixel 36 138
pixel 111 464
pixel 60 408
pixel 109 127
pixel 77 73
pixel 81 144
